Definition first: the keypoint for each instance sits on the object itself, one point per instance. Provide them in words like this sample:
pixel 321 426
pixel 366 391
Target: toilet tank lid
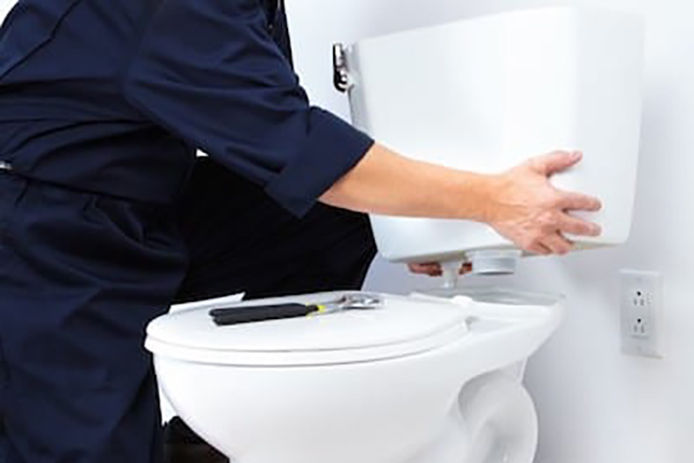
pixel 402 326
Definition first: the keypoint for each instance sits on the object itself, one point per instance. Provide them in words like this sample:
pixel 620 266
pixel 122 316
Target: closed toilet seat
pixel 417 380
pixel 400 328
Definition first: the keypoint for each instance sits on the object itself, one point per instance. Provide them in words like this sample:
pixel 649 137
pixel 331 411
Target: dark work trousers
pixel 80 277
pixel 82 274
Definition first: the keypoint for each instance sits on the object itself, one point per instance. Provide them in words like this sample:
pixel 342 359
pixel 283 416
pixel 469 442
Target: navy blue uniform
pixel 102 106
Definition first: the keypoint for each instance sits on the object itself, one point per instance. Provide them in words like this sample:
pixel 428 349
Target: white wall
pixel 596 405
pixel 5 6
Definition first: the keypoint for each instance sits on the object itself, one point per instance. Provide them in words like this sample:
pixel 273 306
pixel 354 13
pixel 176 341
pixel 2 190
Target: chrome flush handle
pixel 341 77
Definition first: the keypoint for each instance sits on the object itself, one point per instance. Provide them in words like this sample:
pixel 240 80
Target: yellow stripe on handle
pixel 321 309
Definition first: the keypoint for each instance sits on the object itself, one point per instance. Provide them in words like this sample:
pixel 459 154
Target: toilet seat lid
pixel 403 326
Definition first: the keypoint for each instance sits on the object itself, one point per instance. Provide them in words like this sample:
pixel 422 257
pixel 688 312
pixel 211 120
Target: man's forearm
pixel 387 183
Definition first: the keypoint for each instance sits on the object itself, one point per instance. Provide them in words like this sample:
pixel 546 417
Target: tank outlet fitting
pixel 495 261
pixel 451 273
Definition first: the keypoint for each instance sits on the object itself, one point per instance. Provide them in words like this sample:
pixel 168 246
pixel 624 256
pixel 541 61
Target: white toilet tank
pixel 485 94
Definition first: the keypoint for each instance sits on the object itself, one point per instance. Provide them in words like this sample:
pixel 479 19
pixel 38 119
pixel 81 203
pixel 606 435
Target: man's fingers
pixel 578 227
pixel 431 269
pixel 557 161
pixel 539 249
pixel 434 269
pixel 557 244
pixel 579 202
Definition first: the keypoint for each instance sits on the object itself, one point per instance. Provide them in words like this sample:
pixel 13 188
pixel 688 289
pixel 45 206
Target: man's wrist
pixel 480 194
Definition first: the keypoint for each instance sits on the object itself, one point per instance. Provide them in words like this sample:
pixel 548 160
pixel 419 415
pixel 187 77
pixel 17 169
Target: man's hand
pixel 525 208
pixel 434 269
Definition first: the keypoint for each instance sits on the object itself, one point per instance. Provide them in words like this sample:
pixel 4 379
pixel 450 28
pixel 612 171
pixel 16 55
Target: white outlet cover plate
pixel 641 309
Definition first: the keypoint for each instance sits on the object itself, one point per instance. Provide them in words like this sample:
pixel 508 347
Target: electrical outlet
pixel 640 328
pixel 641 313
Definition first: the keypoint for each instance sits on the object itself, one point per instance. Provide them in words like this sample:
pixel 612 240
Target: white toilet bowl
pixel 420 380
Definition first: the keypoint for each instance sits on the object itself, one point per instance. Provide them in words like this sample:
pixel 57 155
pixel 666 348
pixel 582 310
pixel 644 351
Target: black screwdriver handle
pixel 237 316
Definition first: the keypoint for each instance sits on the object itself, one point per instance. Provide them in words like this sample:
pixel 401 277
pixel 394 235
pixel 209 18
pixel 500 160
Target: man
pixel 103 104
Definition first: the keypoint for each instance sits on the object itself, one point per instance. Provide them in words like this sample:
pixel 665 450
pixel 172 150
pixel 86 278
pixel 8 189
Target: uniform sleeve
pixel 209 72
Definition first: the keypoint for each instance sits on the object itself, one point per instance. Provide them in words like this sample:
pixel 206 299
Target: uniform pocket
pixel 29 26
pixel 121 217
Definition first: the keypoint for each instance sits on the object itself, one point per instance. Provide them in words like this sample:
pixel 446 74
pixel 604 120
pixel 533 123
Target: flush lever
pixel 341 77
